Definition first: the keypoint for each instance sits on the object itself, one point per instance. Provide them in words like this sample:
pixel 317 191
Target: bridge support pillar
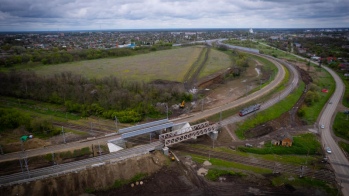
pixel 165 149
pixel 213 135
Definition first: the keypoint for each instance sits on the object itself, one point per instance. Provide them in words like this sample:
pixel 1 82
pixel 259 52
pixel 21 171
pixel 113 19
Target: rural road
pixel 338 160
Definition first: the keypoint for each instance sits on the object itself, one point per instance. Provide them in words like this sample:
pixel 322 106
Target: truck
pixel 249 109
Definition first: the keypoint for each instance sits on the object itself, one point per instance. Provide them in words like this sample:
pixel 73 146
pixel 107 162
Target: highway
pixel 338 161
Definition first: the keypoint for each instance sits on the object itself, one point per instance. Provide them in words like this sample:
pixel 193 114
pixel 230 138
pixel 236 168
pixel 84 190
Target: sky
pixel 53 15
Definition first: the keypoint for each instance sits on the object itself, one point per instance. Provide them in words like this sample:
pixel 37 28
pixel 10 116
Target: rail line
pixel 322 174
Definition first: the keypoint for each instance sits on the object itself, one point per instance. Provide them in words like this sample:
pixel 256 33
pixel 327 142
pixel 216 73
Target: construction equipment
pixel 182 104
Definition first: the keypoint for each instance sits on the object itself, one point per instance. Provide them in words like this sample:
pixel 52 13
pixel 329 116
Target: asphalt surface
pixel 338 160
pixel 83 164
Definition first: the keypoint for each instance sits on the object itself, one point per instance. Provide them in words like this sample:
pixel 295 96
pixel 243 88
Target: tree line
pixel 109 97
pixel 19 55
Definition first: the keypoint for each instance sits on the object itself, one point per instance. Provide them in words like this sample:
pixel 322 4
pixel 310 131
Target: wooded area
pixel 108 97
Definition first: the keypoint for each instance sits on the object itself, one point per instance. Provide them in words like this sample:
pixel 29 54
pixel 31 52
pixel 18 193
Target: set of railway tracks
pixel 277 167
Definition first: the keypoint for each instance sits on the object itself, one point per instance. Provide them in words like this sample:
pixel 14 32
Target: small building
pixel 284 139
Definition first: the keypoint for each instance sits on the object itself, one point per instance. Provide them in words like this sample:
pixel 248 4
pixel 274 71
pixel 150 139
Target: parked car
pixel 328 150
pixel 322 126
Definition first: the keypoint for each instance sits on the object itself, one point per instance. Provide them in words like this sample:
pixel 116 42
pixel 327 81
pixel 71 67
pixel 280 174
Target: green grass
pixel 340 125
pixel 281 158
pixel 137 177
pixel 264 49
pixel 228 164
pixel 217 61
pixel 271 113
pixel 344 146
pixel 214 174
pixel 165 64
pixel 304 182
pixel 302 145
pixel 345 80
pixel 36 107
pixel 323 80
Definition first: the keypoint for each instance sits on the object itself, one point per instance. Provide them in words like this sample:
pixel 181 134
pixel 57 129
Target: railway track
pixel 322 174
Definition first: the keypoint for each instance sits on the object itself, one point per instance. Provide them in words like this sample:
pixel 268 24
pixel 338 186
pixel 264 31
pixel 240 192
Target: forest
pixel 129 101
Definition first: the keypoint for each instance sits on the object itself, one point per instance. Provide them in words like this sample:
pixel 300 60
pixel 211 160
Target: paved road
pixel 55 170
pixel 190 118
pixel 252 97
pixel 338 161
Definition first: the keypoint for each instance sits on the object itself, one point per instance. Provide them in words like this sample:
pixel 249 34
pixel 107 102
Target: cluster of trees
pixel 12 119
pixel 312 96
pixel 325 46
pixel 20 55
pixel 129 101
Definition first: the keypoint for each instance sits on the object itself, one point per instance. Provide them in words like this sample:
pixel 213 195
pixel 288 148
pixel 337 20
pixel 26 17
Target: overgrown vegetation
pixel 41 127
pixel 76 153
pixel 271 113
pixel 344 146
pixel 137 177
pixel 108 97
pixel 340 125
pixel 305 144
pixel 304 182
pixel 315 98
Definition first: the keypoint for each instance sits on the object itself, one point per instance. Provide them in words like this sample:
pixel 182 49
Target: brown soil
pixel 181 178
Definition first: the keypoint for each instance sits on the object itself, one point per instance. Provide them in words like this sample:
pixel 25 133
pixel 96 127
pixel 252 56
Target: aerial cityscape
pixel 163 97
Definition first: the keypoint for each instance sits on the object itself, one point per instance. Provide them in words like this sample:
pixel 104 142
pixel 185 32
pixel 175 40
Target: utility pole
pixel 167 110
pixel 202 105
pixel 2 152
pixel 116 123
pixel 99 148
pixel 63 135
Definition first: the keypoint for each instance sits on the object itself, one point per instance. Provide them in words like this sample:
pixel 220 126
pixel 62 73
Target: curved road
pixel 74 166
pixel 338 161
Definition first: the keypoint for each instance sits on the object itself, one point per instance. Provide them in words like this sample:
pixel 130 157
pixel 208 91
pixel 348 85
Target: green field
pixel 167 65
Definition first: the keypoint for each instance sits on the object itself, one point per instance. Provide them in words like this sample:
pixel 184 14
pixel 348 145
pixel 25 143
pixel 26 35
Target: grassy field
pixel 217 60
pixel 167 64
pixel 302 145
pixel 228 164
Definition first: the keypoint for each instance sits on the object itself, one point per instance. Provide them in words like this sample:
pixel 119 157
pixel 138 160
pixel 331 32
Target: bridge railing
pixel 183 130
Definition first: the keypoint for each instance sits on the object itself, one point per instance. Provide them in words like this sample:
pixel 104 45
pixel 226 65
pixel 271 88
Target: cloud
pixel 116 14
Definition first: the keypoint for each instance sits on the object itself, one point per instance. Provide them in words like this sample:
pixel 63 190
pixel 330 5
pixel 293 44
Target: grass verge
pixel 228 164
pixel 344 146
pixel 340 125
pixel 271 113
